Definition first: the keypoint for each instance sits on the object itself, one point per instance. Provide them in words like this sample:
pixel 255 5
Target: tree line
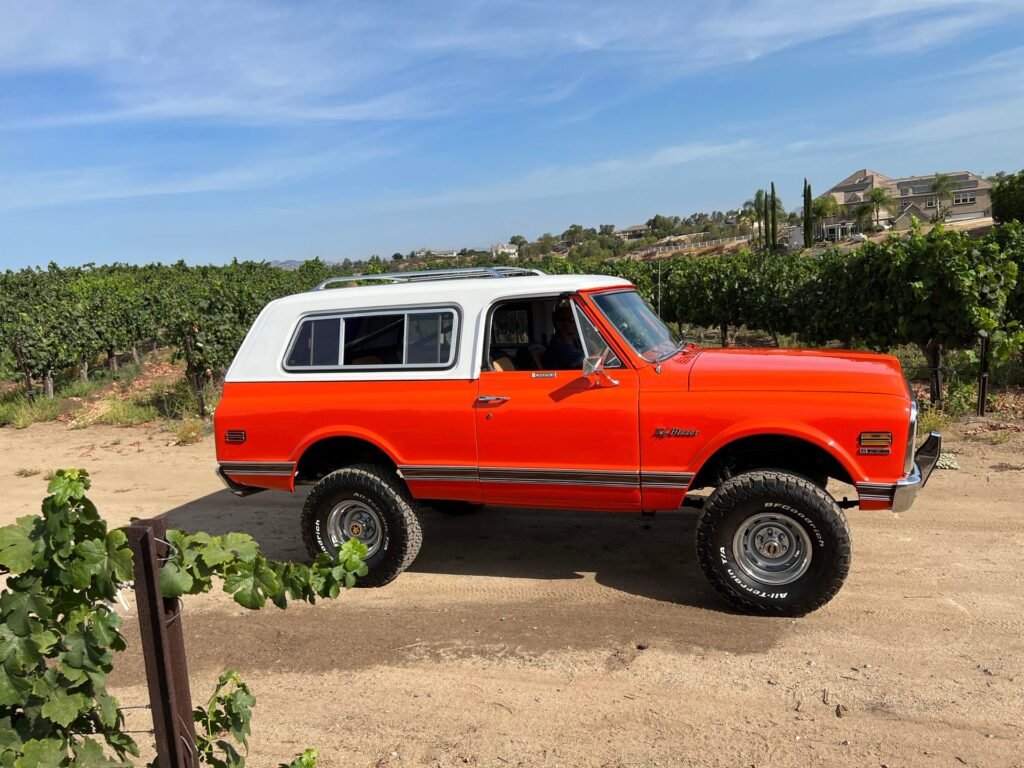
pixel 938 291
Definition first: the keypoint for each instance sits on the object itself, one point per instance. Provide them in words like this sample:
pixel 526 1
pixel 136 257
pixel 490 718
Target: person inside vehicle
pixel 564 352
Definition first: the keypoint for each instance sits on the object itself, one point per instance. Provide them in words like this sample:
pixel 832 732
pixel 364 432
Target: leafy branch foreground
pixel 58 633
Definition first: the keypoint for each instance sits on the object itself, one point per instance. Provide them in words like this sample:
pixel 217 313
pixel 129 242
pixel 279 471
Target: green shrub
pixel 930 420
pixel 188 431
pixel 21 413
pixel 126 413
pixel 78 388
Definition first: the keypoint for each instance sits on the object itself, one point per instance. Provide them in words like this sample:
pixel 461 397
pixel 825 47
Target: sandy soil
pixel 540 638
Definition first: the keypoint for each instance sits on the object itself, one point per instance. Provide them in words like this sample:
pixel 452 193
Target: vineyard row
pixel 938 291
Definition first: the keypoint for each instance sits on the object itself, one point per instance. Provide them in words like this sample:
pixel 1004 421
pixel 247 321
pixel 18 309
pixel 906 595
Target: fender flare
pixel 325 433
pixel 814 437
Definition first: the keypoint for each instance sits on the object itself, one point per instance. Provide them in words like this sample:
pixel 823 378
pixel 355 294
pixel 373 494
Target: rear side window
pixel 316 344
pixel 393 339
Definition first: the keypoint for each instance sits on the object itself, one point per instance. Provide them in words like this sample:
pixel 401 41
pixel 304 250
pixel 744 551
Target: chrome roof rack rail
pixel 432 274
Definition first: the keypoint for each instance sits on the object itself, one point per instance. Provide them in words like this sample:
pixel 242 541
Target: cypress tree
pixel 775 224
pixel 767 222
pixel 808 220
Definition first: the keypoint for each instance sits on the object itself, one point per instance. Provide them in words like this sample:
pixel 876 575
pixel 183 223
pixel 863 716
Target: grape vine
pixel 59 632
pixel 939 291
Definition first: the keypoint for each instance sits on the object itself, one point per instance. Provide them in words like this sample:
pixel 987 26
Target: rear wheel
pixel 368 502
pixel 773 543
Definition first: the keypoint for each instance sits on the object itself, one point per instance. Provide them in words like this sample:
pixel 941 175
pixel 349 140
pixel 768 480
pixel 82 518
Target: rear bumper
pixel 902 493
pixel 236 488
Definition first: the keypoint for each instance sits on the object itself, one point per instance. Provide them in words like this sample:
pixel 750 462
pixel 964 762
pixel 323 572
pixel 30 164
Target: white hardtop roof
pixel 262 352
pixel 471 290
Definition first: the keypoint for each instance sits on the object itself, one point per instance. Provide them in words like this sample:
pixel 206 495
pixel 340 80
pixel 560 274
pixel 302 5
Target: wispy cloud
pixel 255 61
pixel 95 183
pixel 555 181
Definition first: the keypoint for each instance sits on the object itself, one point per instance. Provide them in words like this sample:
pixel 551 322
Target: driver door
pixel 558 438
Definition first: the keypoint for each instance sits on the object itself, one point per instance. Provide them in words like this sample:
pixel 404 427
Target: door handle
pixel 492 399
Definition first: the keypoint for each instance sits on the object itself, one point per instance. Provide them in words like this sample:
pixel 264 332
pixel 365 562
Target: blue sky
pixel 142 130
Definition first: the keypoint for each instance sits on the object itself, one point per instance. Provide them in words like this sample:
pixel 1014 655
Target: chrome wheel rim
pixel 352 519
pixel 772 549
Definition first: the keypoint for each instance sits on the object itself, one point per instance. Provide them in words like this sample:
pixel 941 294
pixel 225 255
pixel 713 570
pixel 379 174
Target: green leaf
pixel 13 690
pixel 21 652
pixel 63 708
pixel 41 753
pixel 9 738
pixel 306 760
pixel 242 545
pixel 245 588
pixel 107 708
pixel 68 484
pixel 119 556
pixel 212 549
pixel 90 560
pixel 18 607
pixel 103 627
pixel 18 552
pixel 121 743
pixel 89 754
pixel 174 582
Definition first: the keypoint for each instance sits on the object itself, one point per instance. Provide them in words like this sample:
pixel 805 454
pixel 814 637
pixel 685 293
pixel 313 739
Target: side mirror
pixel 593 366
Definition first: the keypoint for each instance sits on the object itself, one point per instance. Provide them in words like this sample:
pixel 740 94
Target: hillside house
pixel 634 232
pixel 913 196
pixel 505 249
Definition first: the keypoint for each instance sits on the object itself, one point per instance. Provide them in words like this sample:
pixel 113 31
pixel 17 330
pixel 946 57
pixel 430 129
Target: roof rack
pixel 433 274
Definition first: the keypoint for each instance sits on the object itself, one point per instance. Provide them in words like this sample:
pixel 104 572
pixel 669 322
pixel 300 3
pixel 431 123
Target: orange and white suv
pixel 506 386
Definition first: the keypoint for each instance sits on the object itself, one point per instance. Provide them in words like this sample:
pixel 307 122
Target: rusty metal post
pixel 983 376
pixel 163 649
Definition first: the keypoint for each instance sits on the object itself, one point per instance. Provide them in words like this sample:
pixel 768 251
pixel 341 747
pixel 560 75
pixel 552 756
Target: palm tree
pixel 746 219
pixel 879 197
pixel 757 205
pixel 942 188
pixel 862 215
pixel 824 207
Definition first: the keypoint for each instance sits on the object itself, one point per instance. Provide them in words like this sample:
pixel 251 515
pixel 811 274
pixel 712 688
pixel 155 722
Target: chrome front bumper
pixel 901 494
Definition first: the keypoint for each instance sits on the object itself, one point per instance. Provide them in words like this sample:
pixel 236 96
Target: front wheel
pixel 773 543
pixel 370 503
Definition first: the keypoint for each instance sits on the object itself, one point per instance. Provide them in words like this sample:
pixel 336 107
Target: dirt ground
pixel 539 638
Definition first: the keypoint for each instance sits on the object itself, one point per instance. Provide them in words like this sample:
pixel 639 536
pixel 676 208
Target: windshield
pixel 638 324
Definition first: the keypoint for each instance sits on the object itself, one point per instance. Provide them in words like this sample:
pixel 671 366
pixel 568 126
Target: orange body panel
pixel 413 422
pixel 561 439
pixel 559 426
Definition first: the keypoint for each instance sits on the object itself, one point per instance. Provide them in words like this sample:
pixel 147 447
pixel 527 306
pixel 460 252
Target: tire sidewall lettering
pixel 747 587
pixel 817 537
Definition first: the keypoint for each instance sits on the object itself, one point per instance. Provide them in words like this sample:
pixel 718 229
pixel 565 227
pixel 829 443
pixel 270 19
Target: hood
pixel 796 370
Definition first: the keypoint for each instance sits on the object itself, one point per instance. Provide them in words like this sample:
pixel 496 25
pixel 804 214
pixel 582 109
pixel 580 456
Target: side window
pixel 543 334
pixel 429 339
pixel 594 344
pixel 414 338
pixel 316 344
pixel 374 340
pixel 511 324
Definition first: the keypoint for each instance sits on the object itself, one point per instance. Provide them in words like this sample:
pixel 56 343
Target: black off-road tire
pixel 380 489
pixel 455 508
pixel 792 498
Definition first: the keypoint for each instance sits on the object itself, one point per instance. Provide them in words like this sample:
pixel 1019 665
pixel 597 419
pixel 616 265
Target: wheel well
pixel 770 452
pixel 331 453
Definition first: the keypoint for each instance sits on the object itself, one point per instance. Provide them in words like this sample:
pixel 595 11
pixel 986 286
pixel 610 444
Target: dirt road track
pixel 535 638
